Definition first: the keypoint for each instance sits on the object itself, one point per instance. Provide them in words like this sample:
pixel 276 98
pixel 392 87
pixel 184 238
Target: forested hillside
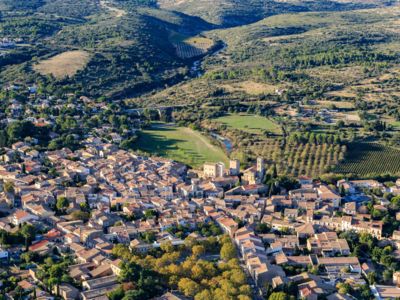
pixel 236 12
pixel 127 41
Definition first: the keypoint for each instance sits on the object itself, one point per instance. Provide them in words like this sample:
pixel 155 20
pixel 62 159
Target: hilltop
pixel 127 42
pixel 228 13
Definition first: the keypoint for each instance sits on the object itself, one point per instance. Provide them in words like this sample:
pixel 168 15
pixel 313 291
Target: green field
pixel 370 159
pixel 181 144
pixel 250 123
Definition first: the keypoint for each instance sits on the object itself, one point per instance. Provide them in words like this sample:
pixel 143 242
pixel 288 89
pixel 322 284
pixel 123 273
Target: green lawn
pixel 181 144
pixel 250 123
pixel 396 125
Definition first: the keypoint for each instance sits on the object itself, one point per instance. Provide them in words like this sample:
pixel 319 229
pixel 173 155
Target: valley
pixel 300 69
pixel 199 149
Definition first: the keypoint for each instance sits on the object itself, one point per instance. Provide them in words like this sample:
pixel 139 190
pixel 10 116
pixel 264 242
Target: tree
pixel 28 232
pixel 228 251
pixel 66 278
pixel 84 206
pixel 9 187
pixel 149 236
pixel 3 139
pixel 116 294
pixel 278 296
pixel 274 172
pixel 3 237
pixel 365 292
pixel 121 251
pixel 134 295
pixel 238 277
pixel 342 191
pixel 340 124
pixel 371 276
pixel 395 202
pixel 203 295
pixel 19 292
pixel 288 183
pixel 29 256
pixel 129 272
pixel 343 288
pixel 149 214
pixel 56 272
pixel 243 297
pixel 262 228
pixel 198 250
pixel 129 143
pixel 62 203
pixel 80 215
pixel 387 275
pixel 188 287
pixel 167 247
pixel 17 131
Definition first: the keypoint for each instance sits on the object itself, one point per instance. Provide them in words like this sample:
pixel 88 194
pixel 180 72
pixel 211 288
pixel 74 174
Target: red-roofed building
pixel 21 216
pixel 53 235
pixel 42 247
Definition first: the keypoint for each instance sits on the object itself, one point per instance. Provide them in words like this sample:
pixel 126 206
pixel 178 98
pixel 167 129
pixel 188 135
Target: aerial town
pixel 199 149
pixel 84 203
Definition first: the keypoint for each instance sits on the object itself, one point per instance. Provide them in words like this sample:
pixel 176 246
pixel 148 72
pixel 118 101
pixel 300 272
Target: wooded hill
pixel 127 40
pixel 228 13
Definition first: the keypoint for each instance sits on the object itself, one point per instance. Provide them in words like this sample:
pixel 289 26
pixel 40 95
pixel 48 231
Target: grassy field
pixel 64 64
pixel 370 158
pixel 250 87
pixel 250 123
pixel 395 124
pixel 181 144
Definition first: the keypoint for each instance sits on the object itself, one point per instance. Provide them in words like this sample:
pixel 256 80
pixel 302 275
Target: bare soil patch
pixel 64 64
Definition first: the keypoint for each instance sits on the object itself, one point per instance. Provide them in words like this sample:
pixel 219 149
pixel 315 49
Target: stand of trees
pixel 184 268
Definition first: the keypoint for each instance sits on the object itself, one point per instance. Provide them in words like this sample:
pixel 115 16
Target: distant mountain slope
pixel 65 8
pixel 238 12
pixel 71 8
pixel 20 4
pixel 128 42
pixel 308 53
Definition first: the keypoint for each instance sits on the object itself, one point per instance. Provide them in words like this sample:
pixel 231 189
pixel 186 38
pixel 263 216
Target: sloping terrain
pixel 130 51
pixel 309 54
pixel 133 51
pixel 229 13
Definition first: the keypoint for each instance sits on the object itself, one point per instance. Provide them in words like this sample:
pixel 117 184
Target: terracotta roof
pixel 39 245
pixel 20 214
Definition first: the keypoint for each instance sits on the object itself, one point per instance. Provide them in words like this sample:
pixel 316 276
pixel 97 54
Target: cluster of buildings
pixel 6 43
pixel 119 187
pixel 304 226
pixel 42 111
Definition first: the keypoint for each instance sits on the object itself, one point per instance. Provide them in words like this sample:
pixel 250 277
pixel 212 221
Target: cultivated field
pixel 190 47
pixel 64 64
pixel 250 123
pixel 299 159
pixel 181 144
pixel 370 158
pixel 250 87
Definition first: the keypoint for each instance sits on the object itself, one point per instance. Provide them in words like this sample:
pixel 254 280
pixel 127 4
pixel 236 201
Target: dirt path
pixel 116 11
pixel 189 131
pixel 202 138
